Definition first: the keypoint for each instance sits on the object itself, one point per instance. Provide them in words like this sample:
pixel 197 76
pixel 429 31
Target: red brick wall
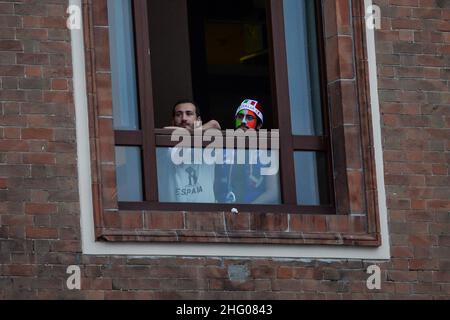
pixel 39 210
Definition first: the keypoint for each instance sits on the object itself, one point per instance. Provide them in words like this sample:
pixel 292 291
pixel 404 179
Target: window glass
pixel 311 176
pixel 303 69
pixel 214 52
pixel 236 179
pixel 129 174
pixel 218 52
pixel 123 72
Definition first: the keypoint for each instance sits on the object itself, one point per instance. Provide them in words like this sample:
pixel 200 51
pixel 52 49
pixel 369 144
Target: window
pixel 307 69
pixel 219 52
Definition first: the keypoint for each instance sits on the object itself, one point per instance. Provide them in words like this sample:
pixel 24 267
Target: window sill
pixel 245 228
pixel 335 239
pixel 218 207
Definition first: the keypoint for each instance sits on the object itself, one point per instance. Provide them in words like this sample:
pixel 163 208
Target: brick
pixel 424 264
pixel 56 97
pixel 12 133
pixel 59 84
pixel 204 221
pixel 37 134
pixel 34 9
pixel 308 223
pixel 32 59
pixel 41 233
pixel 32 34
pixel 40 208
pixel 402 276
pixel 239 222
pixel 268 222
pixel 285 273
pixel 34 84
pixel 58 71
pixel 355 180
pixel 18 270
pixel 6 8
pixel 410 24
pixel 131 220
pixel 17 220
pixel 66 246
pixel 33 71
pixel 10 145
pixel 402 252
pixel 164 221
pixel 12 95
pixel 39 158
pixel 10 45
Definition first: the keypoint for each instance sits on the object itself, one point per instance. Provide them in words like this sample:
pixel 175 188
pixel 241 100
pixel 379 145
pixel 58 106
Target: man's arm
pixel 213 124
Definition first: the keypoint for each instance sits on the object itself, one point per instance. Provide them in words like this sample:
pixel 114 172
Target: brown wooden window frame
pixel 290 223
pixel 161 138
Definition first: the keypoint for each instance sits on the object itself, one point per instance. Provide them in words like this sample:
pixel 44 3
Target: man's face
pixel 246 119
pixel 185 116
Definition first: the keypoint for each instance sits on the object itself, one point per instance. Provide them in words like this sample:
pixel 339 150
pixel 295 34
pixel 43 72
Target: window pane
pixel 251 182
pixel 170 56
pixel 255 180
pixel 311 176
pixel 129 173
pixel 218 53
pixel 123 72
pixel 188 183
pixel 237 58
pixel 303 68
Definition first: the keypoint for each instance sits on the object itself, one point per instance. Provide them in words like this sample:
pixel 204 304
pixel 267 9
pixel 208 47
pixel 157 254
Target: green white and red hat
pixel 252 105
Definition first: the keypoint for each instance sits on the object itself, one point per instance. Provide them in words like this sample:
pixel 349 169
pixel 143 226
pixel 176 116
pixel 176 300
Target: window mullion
pixel 320 34
pixel 281 92
pixel 128 138
pixel 310 143
pixel 145 99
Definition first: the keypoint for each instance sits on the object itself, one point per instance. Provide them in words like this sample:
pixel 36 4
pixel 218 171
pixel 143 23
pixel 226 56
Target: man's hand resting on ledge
pixel 213 124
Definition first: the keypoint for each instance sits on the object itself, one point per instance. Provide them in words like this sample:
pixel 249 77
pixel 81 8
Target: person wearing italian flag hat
pixel 243 183
pixel 249 115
